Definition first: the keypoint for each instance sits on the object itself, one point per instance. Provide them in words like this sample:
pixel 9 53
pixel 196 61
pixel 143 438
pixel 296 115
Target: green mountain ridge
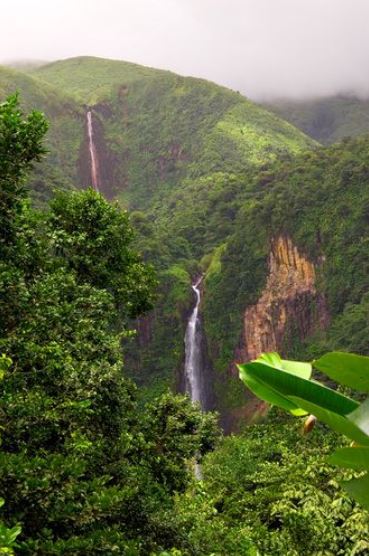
pixel 191 159
pixel 160 127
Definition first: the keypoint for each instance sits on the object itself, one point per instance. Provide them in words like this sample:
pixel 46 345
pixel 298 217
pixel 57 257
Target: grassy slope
pixel 91 79
pixel 64 136
pixel 327 120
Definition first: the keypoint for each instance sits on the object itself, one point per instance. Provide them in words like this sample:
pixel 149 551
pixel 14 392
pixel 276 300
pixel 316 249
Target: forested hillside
pixel 215 184
pixel 305 220
pixel 76 453
pixel 328 119
pixel 155 128
pixel 276 225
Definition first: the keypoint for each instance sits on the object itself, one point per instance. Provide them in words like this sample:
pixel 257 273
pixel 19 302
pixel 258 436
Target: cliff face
pixel 289 308
pixel 289 303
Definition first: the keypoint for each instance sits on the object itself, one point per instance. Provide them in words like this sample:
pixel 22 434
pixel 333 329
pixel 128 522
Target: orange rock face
pixel 289 300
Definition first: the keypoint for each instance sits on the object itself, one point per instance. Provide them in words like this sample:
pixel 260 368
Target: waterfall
pixel 93 153
pixel 193 362
pixel 193 351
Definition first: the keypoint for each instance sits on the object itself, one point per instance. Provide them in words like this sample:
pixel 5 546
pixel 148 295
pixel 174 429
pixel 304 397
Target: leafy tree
pixel 93 239
pixel 7 536
pixel 20 146
pixel 79 466
pixel 273 486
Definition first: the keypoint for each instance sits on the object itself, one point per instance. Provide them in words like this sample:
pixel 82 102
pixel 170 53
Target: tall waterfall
pixel 193 360
pixel 193 351
pixel 93 153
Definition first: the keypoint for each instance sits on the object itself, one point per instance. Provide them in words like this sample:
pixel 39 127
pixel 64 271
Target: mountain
pixel 154 128
pixel 279 255
pixel 220 187
pixel 328 119
pixel 184 155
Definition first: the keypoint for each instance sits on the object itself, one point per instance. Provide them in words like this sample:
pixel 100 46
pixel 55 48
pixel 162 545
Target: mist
pixel 262 48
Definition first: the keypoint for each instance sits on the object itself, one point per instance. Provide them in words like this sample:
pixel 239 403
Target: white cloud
pixel 261 47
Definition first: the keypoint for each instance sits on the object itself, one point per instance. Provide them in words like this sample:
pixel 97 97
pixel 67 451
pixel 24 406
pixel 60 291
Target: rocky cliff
pixel 289 303
pixel 289 308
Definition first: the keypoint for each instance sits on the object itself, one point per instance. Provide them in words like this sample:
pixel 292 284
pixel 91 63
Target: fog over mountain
pixel 264 48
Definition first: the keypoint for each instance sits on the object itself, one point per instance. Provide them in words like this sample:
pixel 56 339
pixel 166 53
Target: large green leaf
pixel 287 384
pixel 360 417
pixel 346 368
pixel 297 368
pixel 354 457
pixel 303 370
pixel 359 489
pixel 266 393
pixel 339 423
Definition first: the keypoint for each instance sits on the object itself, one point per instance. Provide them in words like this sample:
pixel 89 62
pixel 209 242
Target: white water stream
pixel 93 155
pixel 193 359
pixel 193 351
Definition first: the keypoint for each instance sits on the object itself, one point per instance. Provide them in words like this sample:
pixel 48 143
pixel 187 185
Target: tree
pixel 20 146
pixel 7 536
pixel 78 461
pixel 92 238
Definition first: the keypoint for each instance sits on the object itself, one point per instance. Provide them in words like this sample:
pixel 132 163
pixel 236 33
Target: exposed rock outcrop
pixel 289 308
pixel 288 304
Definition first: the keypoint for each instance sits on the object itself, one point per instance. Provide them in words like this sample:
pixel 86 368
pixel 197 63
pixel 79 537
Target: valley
pixel 172 230
pixel 210 180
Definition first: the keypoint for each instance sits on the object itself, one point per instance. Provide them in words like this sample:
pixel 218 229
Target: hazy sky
pixel 260 47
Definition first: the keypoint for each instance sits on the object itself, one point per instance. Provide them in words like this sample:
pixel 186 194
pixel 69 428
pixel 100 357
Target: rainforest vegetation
pixel 97 450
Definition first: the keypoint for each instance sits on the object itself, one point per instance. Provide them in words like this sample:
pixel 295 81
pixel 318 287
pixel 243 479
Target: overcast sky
pixel 263 48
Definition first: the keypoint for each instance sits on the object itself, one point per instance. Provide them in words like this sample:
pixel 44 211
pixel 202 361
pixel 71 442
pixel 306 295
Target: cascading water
pixel 93 154
pixel 193 351
pixel 193 370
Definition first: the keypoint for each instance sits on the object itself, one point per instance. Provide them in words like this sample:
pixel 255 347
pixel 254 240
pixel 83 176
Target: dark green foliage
pixel 20 146
pixel 276 485
pixel 20 140
pixel 93 239
pixel 7 536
